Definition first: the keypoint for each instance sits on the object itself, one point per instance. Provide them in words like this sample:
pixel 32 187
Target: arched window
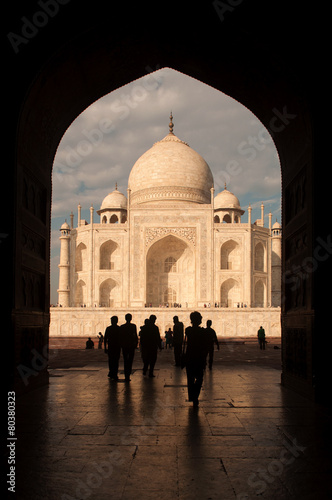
pixel 259 294
pixel 80 256
pixel 106 255
pixel 170 265
pixel 106 293
pixel 229 293
pixel 80 293
pixel 104 220
pixel 216 219
pixel 259 257
pixel 230 257
pixel 114 219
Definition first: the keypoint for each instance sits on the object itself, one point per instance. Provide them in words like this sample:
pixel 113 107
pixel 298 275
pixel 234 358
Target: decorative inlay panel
pixel 152 233
pixel 171 193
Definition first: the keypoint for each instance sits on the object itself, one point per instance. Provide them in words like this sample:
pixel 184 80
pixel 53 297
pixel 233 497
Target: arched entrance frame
pixel 62 71
pixel 187 244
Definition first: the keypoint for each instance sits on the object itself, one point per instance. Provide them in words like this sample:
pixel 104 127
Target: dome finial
pixel 116 186
pixel 225 186
pixel 171 126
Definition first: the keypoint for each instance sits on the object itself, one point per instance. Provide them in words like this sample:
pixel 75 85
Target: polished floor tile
pixel 86 437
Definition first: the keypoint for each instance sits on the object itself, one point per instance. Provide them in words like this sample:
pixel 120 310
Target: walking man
pixel 112 347
pixel 177 340
pixel 212 339
pixel 150 342
pixel 128 342
pixel 196 353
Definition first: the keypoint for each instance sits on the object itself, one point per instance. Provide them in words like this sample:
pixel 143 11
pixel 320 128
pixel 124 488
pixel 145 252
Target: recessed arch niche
pixel 170 272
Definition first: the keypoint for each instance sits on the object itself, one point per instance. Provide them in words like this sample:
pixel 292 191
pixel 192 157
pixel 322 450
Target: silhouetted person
pixel 150 343
pixel 261 337
pixel 168 338
pixel 100 340
pixel 195 356
pixel 212 339
pixel 112 347
pixel 89 344
pixel 128 342
pixel 177 340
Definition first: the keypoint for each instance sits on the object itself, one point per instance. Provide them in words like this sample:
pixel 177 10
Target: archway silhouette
pixel 76 59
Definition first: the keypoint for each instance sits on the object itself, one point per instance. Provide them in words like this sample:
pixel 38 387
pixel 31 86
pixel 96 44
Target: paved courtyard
pixel 86 437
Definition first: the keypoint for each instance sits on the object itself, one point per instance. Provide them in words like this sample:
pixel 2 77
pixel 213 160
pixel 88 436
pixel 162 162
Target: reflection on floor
pixel 86 437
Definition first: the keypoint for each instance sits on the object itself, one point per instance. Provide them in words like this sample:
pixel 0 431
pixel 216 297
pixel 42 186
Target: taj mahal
pixel 170 245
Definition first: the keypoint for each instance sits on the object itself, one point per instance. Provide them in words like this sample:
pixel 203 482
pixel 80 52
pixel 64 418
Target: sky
pixel 101 146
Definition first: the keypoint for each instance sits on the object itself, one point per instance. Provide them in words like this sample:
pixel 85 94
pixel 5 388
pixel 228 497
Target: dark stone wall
pixel 63 55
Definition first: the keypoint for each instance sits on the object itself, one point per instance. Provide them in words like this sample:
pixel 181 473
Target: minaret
pixel 79 208
pixel 276 265
pixel 64 266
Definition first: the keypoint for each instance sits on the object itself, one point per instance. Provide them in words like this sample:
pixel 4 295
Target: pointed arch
pixel 80 256
pixel 230 256
pixel 259 293
pixel 114 219
pixel 170 264
pixel 229 293
pixel 106 254
pixel 259 256
pixel 107 292
pixel 80 293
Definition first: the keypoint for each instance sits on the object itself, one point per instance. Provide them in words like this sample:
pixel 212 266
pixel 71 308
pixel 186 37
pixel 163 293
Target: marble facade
pixel 170 244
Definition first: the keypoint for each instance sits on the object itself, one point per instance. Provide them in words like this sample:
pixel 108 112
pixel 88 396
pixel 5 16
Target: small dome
pixel 114 200
pixel 276 225
pixel 170 171
pixel 64 226
pixel 226 200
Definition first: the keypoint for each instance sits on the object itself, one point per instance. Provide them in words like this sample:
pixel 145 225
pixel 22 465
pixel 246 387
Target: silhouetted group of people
pixel 193 348
pixel 150 342
pixel 120 338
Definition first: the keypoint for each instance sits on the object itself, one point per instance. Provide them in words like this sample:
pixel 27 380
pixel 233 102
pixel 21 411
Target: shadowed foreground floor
pixel 86 437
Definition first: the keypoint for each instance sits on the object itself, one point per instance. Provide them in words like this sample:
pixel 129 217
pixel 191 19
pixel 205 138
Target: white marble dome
pixel 170 171
pixel 114 200
pixel 226 200
pixel 65 226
